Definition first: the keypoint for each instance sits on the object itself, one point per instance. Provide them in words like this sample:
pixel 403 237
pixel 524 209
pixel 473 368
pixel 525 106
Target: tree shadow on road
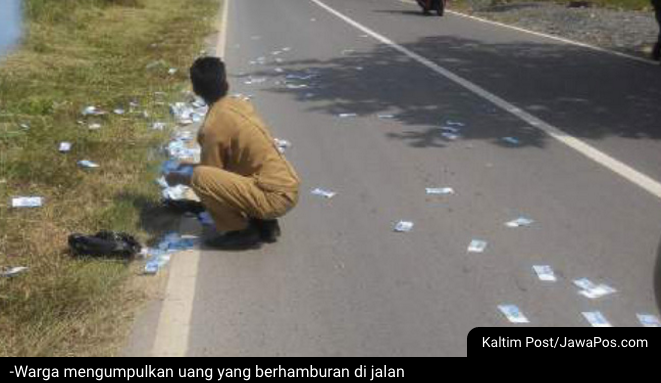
pixel 587 94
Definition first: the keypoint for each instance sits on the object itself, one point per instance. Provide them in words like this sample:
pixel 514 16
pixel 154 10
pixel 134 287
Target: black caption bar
pixel 528 341
pixel 216 369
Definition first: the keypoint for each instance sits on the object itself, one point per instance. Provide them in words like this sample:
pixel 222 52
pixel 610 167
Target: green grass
pixel 78 53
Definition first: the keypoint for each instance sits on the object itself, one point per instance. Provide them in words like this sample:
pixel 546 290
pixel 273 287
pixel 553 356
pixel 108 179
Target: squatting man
pixel 242 179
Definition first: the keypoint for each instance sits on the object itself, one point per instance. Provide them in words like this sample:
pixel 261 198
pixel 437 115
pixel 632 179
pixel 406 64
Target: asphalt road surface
pixel 341 282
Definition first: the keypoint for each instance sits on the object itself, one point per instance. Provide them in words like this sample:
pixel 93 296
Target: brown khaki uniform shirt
pixel 235 139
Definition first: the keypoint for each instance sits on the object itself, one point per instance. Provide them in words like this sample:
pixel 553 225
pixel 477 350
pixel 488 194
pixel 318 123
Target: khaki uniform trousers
pixel 232 199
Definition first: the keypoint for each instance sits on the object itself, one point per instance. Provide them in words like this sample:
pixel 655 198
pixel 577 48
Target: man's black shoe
pixel 269 229
pixel 246 239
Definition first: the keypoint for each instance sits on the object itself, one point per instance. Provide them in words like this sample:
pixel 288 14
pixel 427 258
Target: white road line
pixel 222 37
pixel 624 170
pixel 174 324
pixel 548 36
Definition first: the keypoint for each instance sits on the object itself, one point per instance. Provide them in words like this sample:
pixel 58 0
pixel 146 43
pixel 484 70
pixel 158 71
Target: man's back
pixel 234 138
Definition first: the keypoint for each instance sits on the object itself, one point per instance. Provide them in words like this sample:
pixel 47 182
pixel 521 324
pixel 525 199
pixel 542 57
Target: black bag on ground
pixel 105 243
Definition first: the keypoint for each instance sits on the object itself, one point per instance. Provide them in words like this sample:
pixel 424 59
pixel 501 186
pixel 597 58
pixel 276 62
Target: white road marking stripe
pixel 174 324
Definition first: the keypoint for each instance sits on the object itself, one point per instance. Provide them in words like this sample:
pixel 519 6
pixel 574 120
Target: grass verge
pixel 78 53
pixel 635 5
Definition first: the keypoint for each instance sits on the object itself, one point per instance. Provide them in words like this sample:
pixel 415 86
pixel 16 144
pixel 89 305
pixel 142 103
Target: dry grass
pixel 465 5
pixel 78 53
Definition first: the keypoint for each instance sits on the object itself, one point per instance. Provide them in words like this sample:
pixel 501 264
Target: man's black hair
pixel 209 79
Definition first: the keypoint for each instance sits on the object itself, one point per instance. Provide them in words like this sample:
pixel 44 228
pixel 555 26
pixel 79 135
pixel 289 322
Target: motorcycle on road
pixel 432 5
